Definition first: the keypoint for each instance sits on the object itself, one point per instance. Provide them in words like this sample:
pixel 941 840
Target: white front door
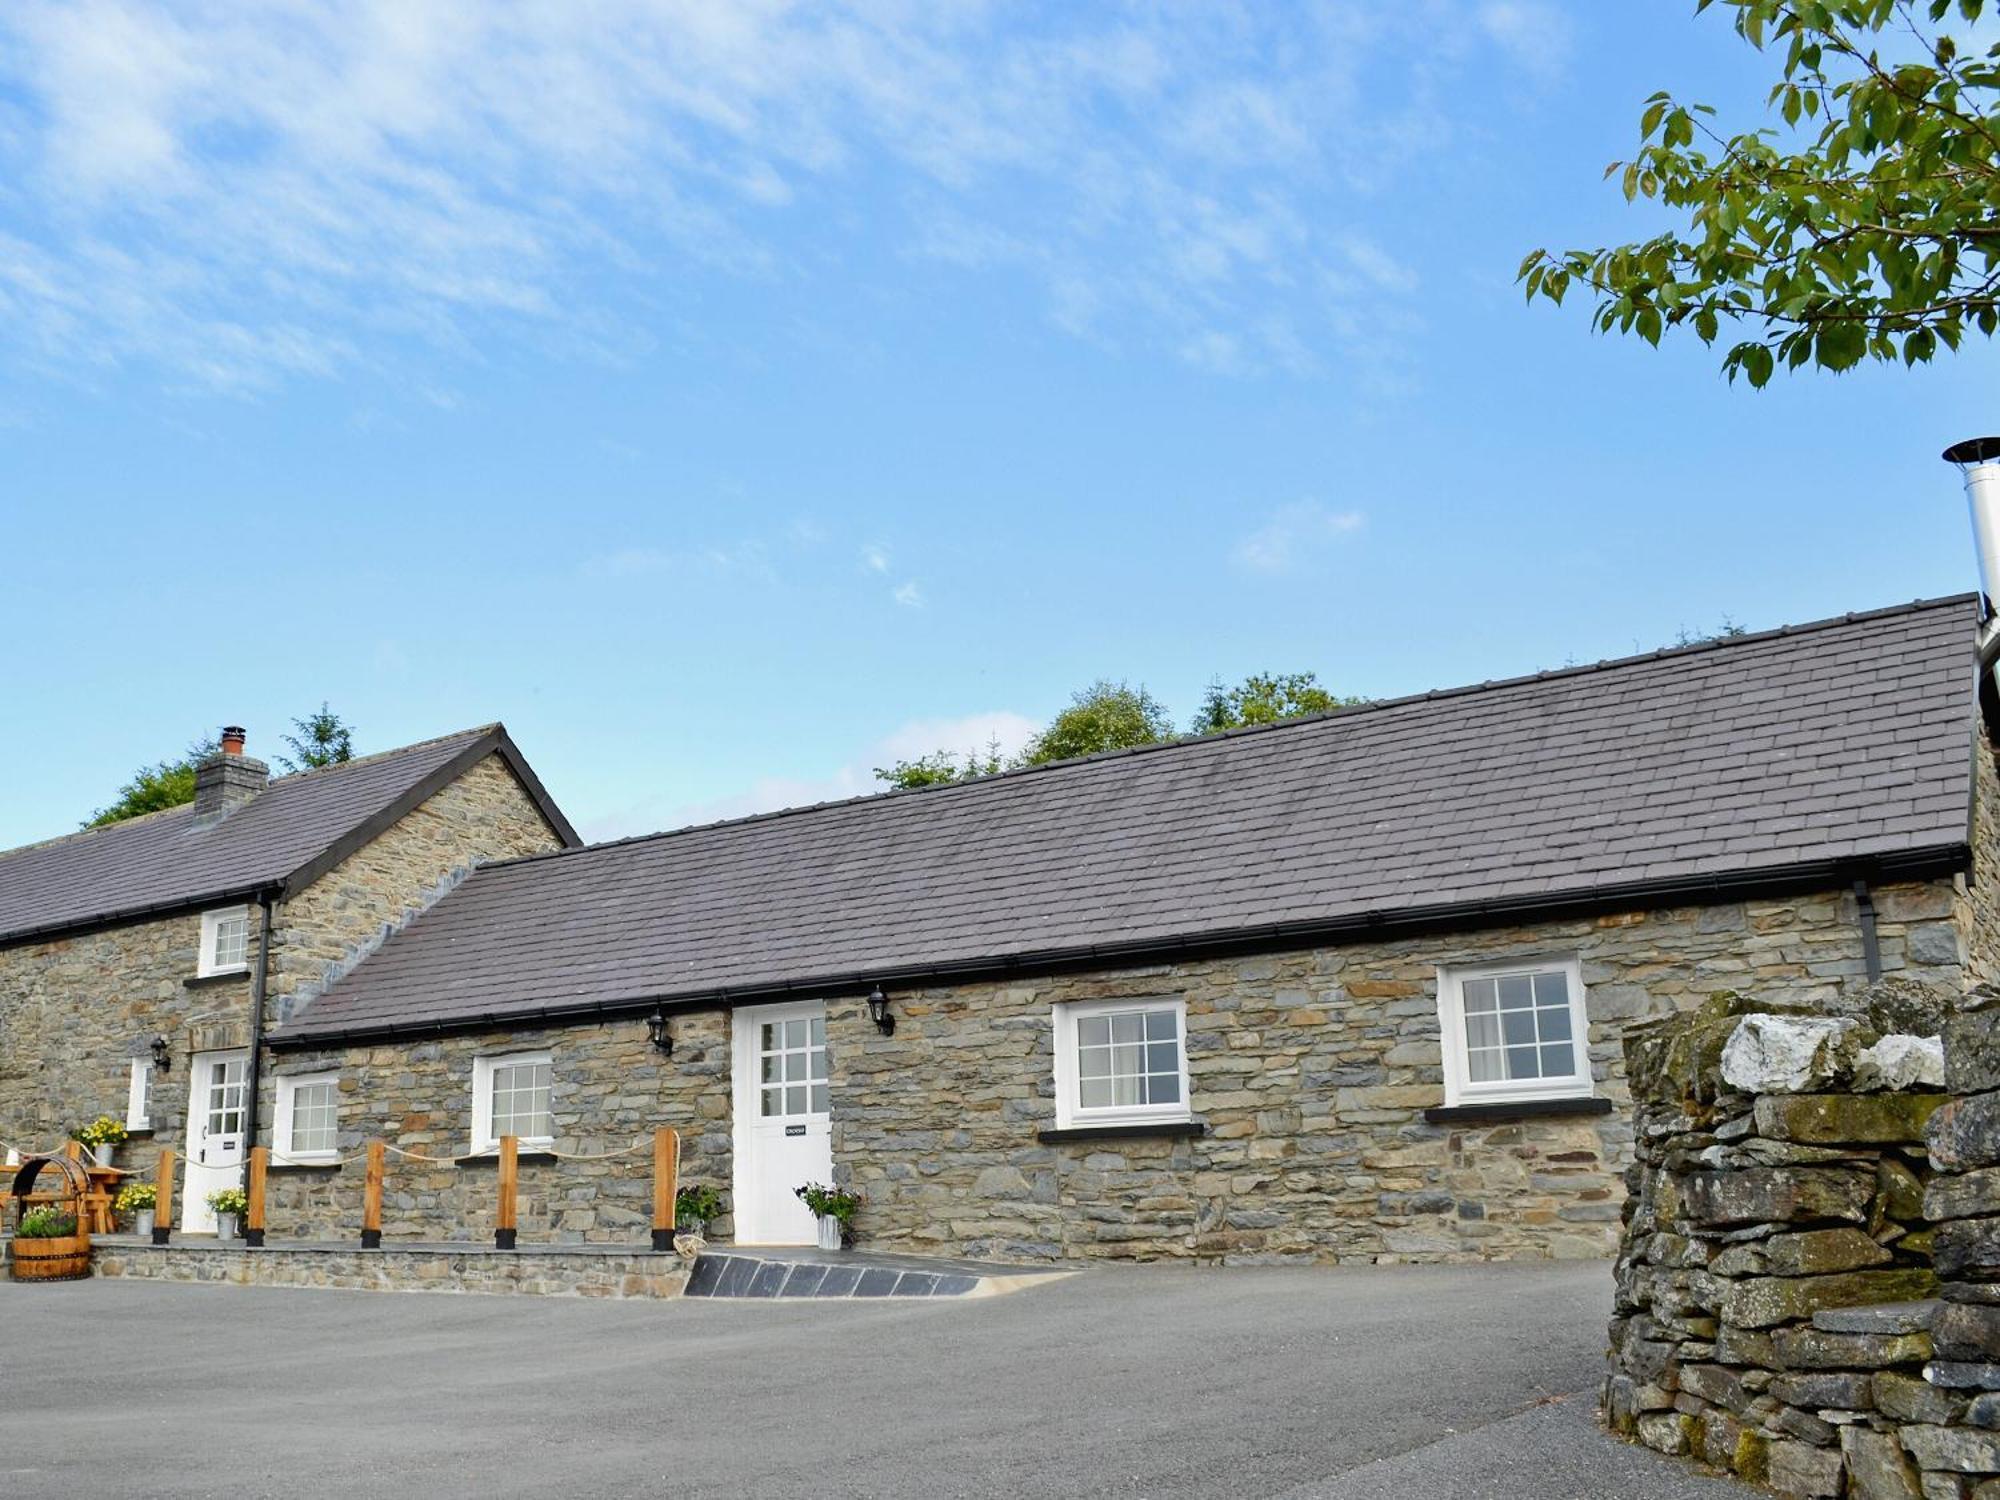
pixel 784 1133
pixel 216 1082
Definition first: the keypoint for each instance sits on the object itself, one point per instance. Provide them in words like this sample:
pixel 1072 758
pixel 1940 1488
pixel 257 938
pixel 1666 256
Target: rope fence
pixel 664 1145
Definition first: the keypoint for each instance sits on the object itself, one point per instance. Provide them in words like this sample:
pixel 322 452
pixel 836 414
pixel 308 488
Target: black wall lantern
pixel 657 1033
pixel 163 1056
pixel 878 1012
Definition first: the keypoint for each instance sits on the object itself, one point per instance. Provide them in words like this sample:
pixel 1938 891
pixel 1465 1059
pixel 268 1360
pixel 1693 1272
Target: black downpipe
pixel 253 1083
pixel 1871 944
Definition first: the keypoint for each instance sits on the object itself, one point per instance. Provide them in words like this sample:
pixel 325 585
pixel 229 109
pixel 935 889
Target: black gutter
pixel 1926 864
pixel 1871 942
pixel 254 1073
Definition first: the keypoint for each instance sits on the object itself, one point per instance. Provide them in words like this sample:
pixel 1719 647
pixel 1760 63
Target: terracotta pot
pixel 65 1258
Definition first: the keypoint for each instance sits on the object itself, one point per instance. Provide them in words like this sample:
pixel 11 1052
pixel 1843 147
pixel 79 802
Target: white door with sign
pixel 784 1133
pixel 216 1083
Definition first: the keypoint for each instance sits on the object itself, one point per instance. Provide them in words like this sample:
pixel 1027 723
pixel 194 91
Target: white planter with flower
pixel 228 1205
pixel 833 1208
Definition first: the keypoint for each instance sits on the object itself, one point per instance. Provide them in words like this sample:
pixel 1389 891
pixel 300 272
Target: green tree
pixel 941 768
pixel 153 788
pixel 320 739
pixel 1104 716
pixel 1263 698
pixel 1867 228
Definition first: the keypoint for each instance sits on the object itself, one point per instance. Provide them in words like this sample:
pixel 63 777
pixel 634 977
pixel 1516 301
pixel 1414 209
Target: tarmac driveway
pixel 1133 1381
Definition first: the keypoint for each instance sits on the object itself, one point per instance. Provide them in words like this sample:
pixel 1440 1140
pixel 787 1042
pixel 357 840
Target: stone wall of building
pixel 1312 1072
pixel 1978 898
pixel 75 1011
pixel 325 929
pixel 609 1091
pixel 1776 1312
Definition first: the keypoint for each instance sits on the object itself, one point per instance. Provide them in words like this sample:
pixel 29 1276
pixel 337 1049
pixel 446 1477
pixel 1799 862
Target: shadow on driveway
pixel 1129 1381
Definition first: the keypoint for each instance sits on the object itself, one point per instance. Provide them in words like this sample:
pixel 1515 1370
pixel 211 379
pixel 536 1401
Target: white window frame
pixel 288 1086
pixel 1070 1113
pixel 137 1089
pixel 483 1139
pixel 205 964
pixel 1458 1085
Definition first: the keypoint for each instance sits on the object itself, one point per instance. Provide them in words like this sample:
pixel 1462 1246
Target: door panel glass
pixel 791 1067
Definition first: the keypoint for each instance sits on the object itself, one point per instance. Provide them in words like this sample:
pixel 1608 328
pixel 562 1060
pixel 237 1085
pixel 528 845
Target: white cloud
pixel 908 595
pixel 874 560
pixel 242 193
pixel 968 734
pixel 743 558
pixel 1534 35
pixel 1295 537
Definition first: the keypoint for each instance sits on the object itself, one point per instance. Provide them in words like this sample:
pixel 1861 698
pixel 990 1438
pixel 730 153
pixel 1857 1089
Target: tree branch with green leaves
pixel 1867 228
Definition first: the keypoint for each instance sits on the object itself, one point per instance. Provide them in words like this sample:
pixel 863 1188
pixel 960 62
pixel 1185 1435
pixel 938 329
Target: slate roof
pixel 286 835
pixel 1794 754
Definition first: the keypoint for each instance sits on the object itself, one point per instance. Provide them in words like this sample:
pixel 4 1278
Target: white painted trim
pixel 1458 1086
pixel 1070 1112
pixel 288 1086
pixel 483 1139
pixel 204 962
pixel 199 1179
pixel 746 1098
pixel 136 1087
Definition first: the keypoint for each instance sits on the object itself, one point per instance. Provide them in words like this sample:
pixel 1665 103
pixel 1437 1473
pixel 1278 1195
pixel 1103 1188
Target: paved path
pixel 1141 1381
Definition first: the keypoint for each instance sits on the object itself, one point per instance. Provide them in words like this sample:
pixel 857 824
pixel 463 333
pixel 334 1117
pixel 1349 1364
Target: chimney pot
pixel 232 739
pixel 1978 459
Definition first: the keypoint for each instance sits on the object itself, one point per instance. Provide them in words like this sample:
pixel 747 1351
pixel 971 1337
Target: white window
pixel 1120 1062
pixel 510 1096
pixel 1513 1032
pixel 308 1116
pixel 135 1094
pixel 225 941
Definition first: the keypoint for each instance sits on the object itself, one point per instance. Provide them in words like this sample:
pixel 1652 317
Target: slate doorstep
pixel 767 1276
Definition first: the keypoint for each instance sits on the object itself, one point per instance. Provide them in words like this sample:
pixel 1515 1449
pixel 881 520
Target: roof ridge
pixel 379 755
pixel 92 830
pixel 1491 685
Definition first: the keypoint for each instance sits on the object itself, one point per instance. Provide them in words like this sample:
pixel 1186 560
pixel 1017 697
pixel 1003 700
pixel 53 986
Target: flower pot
pixel 225 1226
pixel 65 1258
pixel 101 1154
pixel 142 1223
pixel 829 1232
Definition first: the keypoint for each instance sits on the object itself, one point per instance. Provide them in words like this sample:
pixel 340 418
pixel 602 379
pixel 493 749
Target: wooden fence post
pixel 163 1198
pixel 510 1169
pixel 371 1199
pixel 666 1184
pixel 253 1211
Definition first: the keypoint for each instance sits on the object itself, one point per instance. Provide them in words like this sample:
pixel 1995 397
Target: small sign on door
pixel 795 1130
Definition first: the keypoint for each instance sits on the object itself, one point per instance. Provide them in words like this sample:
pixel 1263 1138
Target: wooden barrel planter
pixel 64 1257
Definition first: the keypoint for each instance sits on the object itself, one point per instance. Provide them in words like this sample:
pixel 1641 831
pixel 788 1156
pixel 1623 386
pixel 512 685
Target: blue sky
pixel 734 398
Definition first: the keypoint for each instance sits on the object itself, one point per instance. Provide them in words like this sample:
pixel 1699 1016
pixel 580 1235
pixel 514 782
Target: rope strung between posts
pixel 436 1161
pixel 601 1155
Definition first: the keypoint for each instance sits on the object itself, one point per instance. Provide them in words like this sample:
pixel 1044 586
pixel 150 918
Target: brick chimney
pixel 228 778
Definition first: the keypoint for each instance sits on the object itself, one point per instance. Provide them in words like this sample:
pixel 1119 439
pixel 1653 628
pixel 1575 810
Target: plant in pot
pixel 47 1246
pixel 139 1200
pixel 834 1208
pixel 229 1205
pixel 695 1206
pixel 100 1135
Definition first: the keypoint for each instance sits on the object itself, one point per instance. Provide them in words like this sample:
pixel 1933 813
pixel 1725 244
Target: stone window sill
pixel 203 981
pixel 287 1168
pixel 492 1158
pixel 1123 1132
pixel 1515 1109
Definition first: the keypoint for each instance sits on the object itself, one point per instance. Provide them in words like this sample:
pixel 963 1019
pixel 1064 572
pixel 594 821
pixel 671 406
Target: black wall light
pixel 163 1056
pixel 878 1012
pixel 657 1033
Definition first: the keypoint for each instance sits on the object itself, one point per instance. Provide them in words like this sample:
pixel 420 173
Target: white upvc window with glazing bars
pixel 1514 1032
pixel 308 1124
pixel 510 1096
pixel 225 941
pixel 1121 1062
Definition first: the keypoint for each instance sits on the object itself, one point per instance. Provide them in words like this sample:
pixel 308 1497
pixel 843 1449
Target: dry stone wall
pixel 1789 1230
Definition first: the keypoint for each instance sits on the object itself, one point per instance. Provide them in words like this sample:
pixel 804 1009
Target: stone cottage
pixel 1346 988
pixel 140 963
